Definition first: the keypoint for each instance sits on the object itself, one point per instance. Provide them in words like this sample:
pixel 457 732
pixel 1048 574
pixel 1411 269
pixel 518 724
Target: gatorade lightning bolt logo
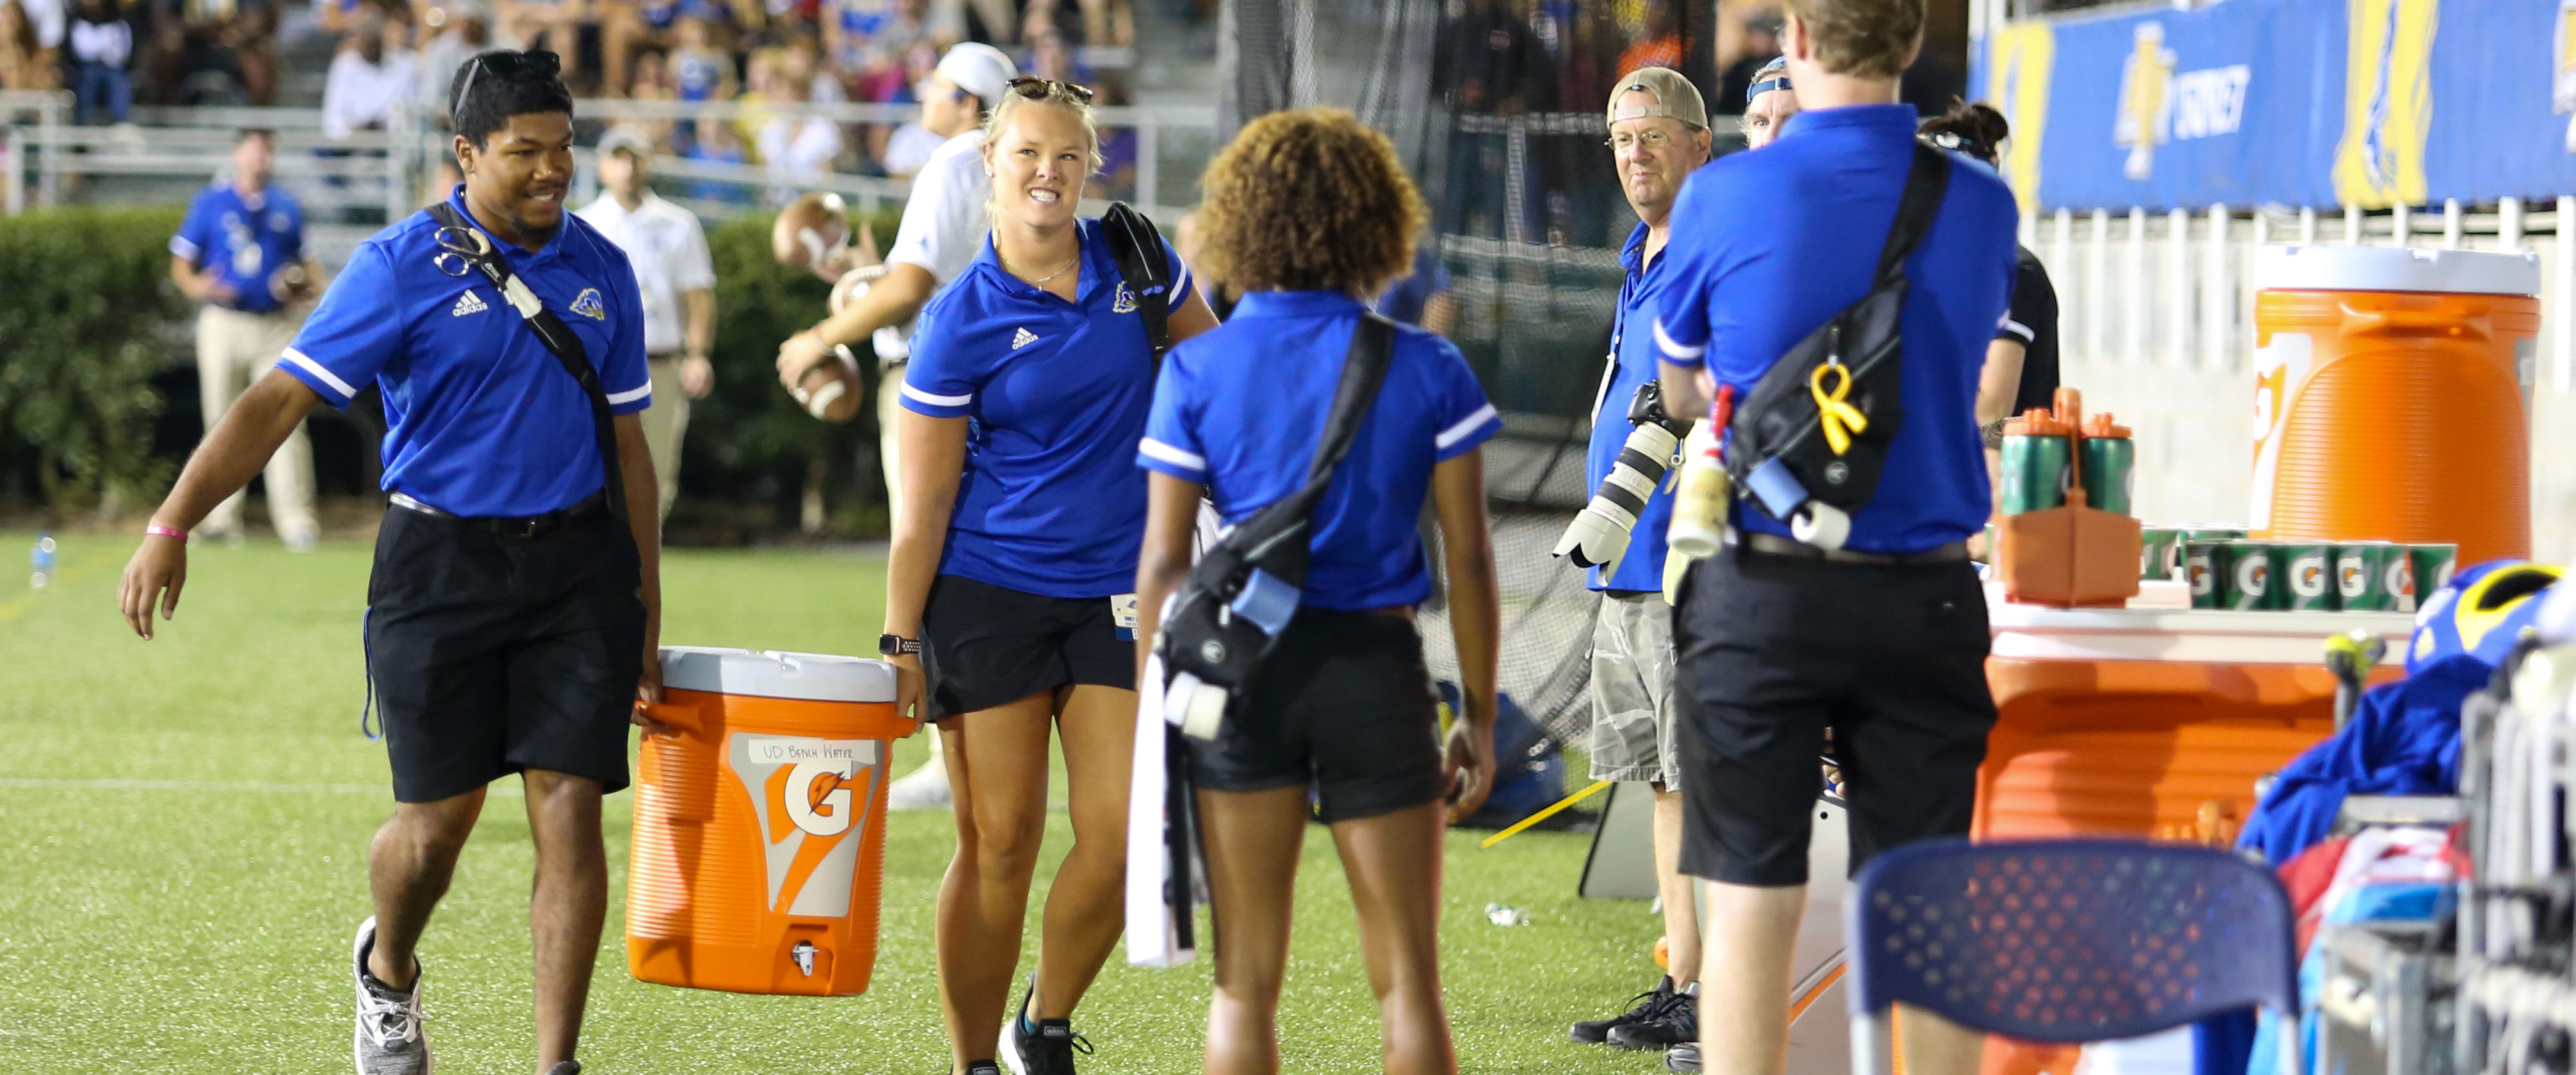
pixel 810 796
pixel 2308 575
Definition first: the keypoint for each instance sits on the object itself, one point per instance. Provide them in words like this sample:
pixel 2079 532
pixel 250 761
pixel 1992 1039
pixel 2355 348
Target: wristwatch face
pixel 893 645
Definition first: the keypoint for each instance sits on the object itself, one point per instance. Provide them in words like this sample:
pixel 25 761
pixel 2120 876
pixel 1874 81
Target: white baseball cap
pixel 980 69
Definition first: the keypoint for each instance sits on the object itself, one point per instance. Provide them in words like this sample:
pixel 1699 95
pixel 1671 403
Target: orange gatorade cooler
pixel 760 824
pixel 2392 396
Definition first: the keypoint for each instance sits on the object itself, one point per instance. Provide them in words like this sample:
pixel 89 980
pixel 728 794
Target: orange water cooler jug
pixel 2392 396
pixel 760 825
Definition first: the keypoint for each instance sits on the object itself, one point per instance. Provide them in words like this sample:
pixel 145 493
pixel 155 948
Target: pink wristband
pixel 164 531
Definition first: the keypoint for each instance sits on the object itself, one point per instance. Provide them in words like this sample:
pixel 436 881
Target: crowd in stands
pixel 394 54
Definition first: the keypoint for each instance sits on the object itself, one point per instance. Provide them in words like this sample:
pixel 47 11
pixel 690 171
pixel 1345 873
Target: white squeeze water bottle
pixel 42 560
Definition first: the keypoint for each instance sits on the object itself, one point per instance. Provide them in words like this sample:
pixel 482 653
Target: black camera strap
pixel 1137 248
pixel 551 331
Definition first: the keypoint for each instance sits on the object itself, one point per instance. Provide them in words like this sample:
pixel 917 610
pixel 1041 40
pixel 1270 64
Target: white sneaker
pixel 389 1039
pixel 300 540
pixel 925 788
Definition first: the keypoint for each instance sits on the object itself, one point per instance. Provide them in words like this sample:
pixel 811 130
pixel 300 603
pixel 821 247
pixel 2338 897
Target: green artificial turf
pixel 183 823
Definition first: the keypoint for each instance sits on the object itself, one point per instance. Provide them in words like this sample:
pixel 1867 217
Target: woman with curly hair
pixel 1031 374
pixel 1307 212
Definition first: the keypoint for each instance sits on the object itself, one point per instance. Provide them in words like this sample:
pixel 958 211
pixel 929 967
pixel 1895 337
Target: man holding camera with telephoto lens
pixel 1881 635
pixel 1658 136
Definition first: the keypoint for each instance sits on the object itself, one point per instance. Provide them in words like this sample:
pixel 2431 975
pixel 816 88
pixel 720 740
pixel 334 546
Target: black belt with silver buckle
pixel 522 527
pixel 1775 545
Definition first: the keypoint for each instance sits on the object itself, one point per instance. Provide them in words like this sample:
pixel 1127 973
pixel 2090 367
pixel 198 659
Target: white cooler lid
pixel 809 677
pixel 2385 268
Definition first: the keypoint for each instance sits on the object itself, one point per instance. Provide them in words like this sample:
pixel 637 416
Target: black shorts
pixel 1774 650
pixel 1344 703
pixel 984 645
pixel 494 655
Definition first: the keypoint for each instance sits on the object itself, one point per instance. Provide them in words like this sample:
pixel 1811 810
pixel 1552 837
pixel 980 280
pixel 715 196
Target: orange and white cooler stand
pixel 760 825
pixel 2392 396
pixel 2151 721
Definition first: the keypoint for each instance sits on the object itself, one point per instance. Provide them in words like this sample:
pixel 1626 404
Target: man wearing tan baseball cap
pixel 1658 136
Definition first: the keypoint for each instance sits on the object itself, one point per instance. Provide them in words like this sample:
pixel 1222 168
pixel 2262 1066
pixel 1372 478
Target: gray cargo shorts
pixel 1634 705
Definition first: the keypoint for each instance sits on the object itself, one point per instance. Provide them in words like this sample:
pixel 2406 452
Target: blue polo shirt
pixel 245 240
pixel 1642 566
pixel 1769 246
pixel 1240 410
pixel 1056 393
pixel 483 419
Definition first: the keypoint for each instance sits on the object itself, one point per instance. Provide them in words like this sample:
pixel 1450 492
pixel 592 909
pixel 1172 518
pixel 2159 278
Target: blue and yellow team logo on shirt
pixel 588 305
pixel 1125 303
pixel 2388 103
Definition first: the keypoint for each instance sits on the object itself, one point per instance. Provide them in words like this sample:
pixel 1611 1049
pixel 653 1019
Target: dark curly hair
pixel 1971 127
pixel 1311 200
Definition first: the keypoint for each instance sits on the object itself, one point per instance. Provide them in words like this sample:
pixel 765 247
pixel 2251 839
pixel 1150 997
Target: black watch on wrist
pixel 897 645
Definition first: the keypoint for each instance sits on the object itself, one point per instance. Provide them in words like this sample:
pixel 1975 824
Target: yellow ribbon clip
pixel 1841 420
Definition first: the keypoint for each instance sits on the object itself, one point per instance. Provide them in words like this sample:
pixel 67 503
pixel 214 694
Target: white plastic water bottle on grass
pixel 42 560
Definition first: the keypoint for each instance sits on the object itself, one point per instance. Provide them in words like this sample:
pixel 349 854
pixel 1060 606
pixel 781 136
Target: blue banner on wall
pixel 2290 102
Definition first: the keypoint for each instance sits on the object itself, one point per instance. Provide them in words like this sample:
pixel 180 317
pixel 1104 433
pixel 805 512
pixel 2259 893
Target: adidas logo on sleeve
pixel 468 303
pixel 1019 340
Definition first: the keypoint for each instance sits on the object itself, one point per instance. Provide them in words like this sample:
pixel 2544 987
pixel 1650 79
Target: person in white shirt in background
pixel 370 76
pixel 942 232
pixel 677 278
pixel 101 45
pixel 798 149
pixel 452 31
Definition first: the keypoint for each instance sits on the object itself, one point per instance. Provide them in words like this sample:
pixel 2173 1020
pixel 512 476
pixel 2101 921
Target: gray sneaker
pixel 389 1039
pixel 1682 1058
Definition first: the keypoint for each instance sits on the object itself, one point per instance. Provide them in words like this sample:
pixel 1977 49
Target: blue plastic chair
pixel 2066 941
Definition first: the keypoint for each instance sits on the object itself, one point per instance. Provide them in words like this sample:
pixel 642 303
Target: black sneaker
pixel 1678 1024
pixel 1040 1047
pixel 568 1067
pixel 1643 1006
pixel 983 1067
pixel 1683 1058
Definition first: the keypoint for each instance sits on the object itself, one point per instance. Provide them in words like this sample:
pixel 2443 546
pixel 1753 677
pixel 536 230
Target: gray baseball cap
pixel 1675 97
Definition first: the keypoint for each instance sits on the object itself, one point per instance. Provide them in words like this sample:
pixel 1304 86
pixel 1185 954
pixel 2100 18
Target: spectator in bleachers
pixel 699 71
pixel 101 45
pixel 24 65
pixel 652 82
pixel 868 42
pixel 714 141
pixel 1118 144
pixel 798 150
pixel 48 21
pixel 628 27
pixel 1661 45
pixel 1760 45
pixel 451 35
pixel 903 150
pixel 370 76
pixel 554 25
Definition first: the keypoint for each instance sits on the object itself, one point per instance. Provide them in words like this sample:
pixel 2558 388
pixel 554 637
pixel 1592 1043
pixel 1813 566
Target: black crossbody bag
pixel 551 331
pixel 1780 456
pixel 1135 245
pixel 1240 596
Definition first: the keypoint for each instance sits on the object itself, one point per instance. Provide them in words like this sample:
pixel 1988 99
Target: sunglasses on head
pixel 1039 89
pixel 504 63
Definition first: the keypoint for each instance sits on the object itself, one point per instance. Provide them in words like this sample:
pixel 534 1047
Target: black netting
pixel 1496 107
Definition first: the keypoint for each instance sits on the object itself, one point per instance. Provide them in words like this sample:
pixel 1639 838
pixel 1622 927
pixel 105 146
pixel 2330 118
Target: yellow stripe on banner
pixel 2019 60
pixel 1543 815
pixel 2388 102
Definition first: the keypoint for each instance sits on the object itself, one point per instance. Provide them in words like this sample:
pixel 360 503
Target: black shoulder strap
pixel 1138 248
pixel 1925 184
pixel 457 235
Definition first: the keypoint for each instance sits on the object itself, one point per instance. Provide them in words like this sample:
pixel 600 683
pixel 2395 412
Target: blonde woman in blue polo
pixel 1030 379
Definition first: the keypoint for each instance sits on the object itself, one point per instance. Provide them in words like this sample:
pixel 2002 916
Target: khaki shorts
pixel 1634 706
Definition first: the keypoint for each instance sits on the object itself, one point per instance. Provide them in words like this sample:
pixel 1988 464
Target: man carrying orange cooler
pixel 513 613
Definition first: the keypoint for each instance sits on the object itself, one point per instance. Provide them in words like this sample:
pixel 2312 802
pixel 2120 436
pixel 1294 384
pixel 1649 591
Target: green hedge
pixel 87 316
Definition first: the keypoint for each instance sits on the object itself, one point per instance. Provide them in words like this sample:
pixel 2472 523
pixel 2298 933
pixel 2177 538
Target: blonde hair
pixel 998 119
pixel 1861 38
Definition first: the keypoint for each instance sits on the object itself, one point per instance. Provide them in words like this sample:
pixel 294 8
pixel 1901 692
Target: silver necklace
pixel 1068 264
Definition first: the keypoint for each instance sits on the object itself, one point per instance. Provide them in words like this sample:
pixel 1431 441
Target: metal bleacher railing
pixel 350 187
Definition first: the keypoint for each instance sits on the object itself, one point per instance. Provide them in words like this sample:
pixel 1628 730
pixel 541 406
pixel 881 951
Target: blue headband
pixel 1777 82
